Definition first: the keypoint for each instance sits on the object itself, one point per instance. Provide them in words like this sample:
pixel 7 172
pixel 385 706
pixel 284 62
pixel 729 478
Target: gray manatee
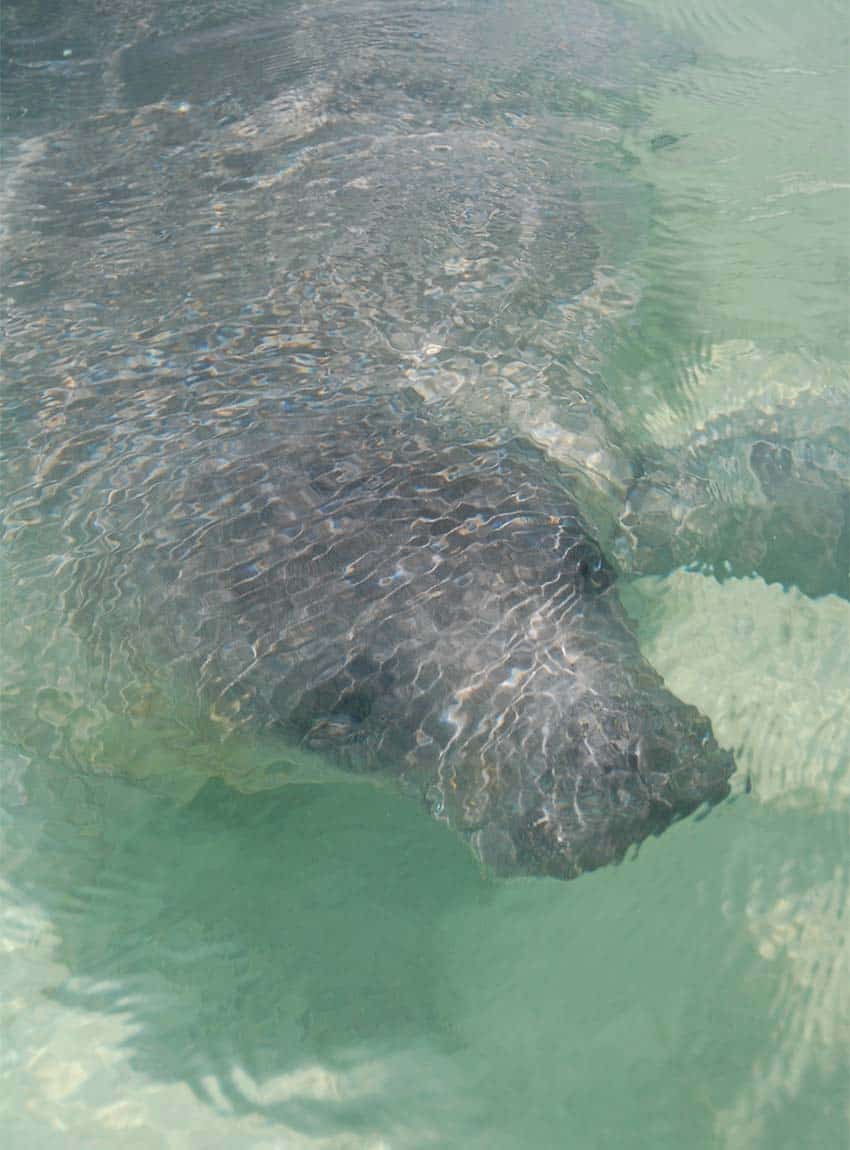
pixel 221 298
pixel 408 603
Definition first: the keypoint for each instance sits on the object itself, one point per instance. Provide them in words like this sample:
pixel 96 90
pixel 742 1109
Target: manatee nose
pixel 684 773
pixel 652 755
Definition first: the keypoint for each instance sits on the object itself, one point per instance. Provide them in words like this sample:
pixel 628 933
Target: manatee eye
pixel 592 572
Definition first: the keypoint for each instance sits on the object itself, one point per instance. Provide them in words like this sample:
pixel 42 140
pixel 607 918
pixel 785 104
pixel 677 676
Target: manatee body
pixel 221 297
pixel 406 603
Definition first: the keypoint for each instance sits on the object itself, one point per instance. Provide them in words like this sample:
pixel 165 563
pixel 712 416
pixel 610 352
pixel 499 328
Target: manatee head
pixel 598 795
pixel 584 753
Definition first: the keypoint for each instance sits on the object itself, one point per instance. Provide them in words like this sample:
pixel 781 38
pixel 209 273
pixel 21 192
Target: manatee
pixel 346 571
pixel 225 307
pixel 343 571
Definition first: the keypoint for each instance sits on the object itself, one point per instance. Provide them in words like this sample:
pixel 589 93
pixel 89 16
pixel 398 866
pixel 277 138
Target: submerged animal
pixel 408 603
pixel 219 312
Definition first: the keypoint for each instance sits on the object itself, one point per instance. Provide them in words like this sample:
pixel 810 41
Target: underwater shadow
pixel 247 938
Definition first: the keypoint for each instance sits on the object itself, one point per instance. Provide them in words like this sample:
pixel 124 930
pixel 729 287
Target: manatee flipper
pixel 766 491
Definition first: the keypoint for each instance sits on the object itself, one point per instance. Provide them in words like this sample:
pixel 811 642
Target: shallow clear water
pixel 620 233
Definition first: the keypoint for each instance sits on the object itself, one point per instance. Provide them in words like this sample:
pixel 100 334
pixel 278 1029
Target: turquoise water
pixel 641 247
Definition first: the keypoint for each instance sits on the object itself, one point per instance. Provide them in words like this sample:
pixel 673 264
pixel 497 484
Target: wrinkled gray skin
pixel 214 463
pixel 764 491
pixel 404 604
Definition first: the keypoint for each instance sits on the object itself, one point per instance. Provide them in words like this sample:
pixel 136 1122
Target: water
pixel 618 232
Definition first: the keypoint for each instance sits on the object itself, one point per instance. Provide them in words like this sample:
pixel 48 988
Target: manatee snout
pixel 601 795
pixel 682 764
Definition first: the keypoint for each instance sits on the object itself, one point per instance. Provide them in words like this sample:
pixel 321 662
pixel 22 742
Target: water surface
pixel 609 229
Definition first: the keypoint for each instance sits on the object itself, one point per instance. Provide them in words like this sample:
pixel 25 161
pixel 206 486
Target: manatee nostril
pixel 653 756
pixel 356 706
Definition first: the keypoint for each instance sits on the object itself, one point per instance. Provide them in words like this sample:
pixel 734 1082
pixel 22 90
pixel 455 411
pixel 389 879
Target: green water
pixel 197 961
